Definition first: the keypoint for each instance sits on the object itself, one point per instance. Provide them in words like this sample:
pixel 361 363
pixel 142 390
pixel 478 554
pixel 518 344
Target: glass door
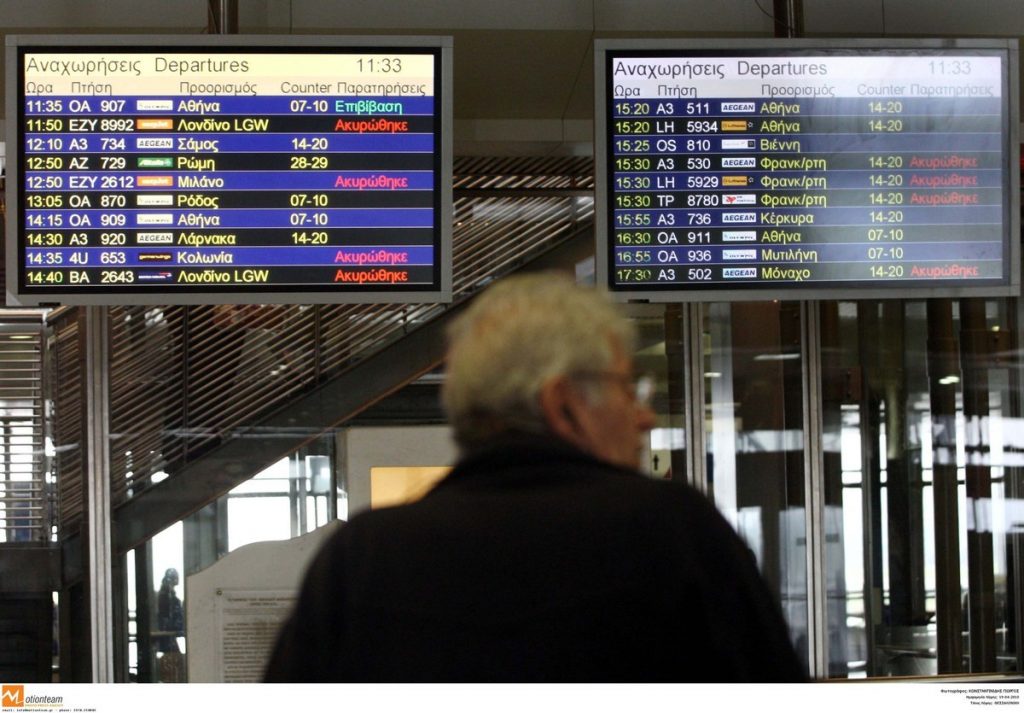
pixel 922 478
pixel 754 439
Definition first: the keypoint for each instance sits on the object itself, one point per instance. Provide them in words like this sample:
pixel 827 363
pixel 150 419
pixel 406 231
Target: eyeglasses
pixel 641 388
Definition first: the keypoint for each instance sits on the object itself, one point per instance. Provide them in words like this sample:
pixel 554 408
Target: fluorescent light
pixel 951 379
pixel 776 357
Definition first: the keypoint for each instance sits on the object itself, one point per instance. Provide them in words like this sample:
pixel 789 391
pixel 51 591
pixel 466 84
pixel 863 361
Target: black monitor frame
pixel 440 288
pixel 607 50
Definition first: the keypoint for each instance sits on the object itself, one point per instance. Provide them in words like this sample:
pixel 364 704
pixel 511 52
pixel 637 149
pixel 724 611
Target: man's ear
pixel 559 404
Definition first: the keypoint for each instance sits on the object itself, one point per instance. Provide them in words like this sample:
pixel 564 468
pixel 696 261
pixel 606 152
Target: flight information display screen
pixel 808 172
pixel 187 173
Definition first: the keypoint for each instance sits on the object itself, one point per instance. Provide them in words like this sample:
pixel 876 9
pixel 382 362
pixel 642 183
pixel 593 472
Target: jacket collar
pixel 525 454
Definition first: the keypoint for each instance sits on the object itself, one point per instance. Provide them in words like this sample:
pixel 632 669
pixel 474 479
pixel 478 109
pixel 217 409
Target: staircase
pixel 204 397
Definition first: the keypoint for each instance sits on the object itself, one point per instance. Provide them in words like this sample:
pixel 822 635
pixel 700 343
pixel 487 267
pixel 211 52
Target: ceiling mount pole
pixel 222 18
pixel 789 18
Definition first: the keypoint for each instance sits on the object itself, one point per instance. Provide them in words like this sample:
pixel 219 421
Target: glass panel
pixel 256 520
pixel 922 474
pixel 270 480
pixel 754 422
pixel 287 499
pixel 659 354
pixel 166 605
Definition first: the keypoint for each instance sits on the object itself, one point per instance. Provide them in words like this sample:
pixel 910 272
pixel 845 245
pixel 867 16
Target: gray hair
pixel 520 333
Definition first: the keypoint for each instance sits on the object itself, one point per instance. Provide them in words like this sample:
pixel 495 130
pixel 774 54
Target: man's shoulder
pixel 539 477
pixel 542 469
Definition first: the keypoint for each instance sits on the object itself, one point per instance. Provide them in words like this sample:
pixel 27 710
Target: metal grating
pixel 184 379
pixel 145 380
pixel 67 394
pixel 25 495
pixel 26 498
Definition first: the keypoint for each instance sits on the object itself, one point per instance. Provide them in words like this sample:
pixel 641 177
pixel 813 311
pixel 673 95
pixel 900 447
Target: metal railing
pixel 26 493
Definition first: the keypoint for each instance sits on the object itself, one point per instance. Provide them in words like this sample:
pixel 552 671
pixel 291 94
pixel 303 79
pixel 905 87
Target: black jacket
pixel 533 561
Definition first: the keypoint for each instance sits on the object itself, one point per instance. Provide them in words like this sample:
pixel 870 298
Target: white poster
pixel 247 625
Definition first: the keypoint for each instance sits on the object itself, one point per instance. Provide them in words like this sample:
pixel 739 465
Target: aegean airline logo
pixel 735 107
pixel 739 217
pixel 733 272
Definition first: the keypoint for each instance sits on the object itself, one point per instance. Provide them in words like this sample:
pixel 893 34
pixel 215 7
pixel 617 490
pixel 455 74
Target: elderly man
pixel 544 555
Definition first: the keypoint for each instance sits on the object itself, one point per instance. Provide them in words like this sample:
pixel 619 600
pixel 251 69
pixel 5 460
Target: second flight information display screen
pixel 839 171
pixel 315 173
